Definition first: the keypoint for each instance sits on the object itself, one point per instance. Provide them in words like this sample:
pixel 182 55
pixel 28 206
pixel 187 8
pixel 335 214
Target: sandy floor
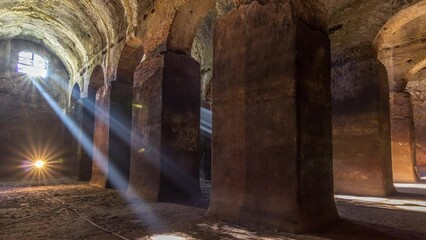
pixel 72 210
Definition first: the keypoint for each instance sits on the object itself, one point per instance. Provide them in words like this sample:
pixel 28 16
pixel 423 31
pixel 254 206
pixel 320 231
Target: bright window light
pixel 32 64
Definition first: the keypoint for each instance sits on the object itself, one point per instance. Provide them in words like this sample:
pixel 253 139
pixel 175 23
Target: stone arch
pixel 170 111
pixel 415 70
pixel 278 102
pixel 131 56
pixel 97 80
pixel 185 25
pixel 241 100
pixel 393 44
pixel 120 120
pixel 394 24
pixel 185 88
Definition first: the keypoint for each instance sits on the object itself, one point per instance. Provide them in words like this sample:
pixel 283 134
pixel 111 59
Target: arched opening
pixel 88 122
pixel 401 49
pixel 202 52
pixel 265 138
pixel 120 118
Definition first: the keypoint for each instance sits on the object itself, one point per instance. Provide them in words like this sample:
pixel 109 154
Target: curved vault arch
pixel 397 22
pixel 96 80
pixel 86 26
pixel 400 48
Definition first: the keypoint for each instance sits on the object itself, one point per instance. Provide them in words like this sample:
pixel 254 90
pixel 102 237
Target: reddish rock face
pixel 361 131
pixel 145 165
pixel 272 159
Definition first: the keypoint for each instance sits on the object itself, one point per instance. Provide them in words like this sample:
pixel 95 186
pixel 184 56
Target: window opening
pixel 32 64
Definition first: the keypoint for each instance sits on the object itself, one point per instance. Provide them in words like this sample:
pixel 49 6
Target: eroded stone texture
pixel 75 30
pixel 167 123
pixel 271 158
pixel 361 140
pixel 101 138
pixel 145 165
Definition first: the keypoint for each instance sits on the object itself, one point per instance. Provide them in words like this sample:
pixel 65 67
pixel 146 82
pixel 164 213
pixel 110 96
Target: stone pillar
pixel 101 138
pixel 165 140
pixel 402 138
pixel 361 126
pixel 272 146
pixel 417 91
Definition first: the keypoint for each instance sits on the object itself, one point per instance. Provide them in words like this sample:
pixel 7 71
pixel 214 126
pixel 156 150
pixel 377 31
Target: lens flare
pixel 39 164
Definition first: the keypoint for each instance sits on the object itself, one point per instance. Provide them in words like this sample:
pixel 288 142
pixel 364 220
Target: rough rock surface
pixel 65 209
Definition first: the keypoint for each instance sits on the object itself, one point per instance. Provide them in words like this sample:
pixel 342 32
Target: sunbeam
pixel 149 218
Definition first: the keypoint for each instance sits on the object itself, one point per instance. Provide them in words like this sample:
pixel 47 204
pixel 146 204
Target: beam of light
pixel 177 236
pixel 79 135
pixel 170 168
pixel 206 119
pixel 411 185
pixel 148 216
pixel 172 171
pixel 388 203
pixel 189 185
pixel 32 64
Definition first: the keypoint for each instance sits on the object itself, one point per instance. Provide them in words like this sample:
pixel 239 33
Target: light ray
pixel 148 217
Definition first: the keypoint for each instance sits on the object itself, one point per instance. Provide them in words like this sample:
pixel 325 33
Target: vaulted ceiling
pixel 74 30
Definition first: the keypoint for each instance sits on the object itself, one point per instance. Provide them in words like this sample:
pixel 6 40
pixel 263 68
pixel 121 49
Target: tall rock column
pixel 165 139
pixel 272 145
pixel 361 124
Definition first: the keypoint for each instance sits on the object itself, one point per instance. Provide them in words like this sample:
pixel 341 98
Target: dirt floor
pixel 66 209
